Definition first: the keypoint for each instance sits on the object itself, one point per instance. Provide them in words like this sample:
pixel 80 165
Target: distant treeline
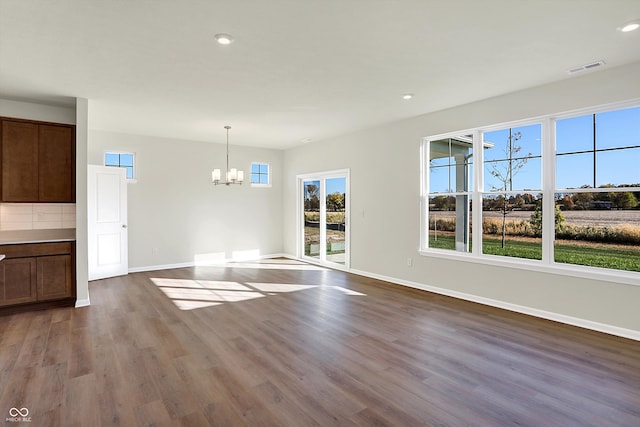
pixel 566 201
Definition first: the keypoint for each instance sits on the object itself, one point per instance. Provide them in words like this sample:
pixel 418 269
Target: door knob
pixel 124 225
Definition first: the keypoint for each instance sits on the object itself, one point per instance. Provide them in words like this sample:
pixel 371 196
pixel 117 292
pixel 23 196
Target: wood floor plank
pixel 52 392
pixel 197 419
pixel 81 354
pixel 283 343
pixel 325 403
pixel 81 407
pixel 215 407
pixel 153 414
pixel 115 411
pixel 137 382
pixel 175 393
pixel 15 329
pixel 8 359
pixel 32 351
pixel 58 347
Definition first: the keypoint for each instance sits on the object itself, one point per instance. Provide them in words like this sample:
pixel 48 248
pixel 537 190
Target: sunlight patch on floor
pixel 276 264
pixel 280 287
pixel 348 291
pixel 189 294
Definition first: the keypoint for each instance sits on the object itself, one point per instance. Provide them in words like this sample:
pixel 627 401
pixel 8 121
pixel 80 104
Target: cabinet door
pixel 19 161
pixel 56 163
pixel 17 281
pixel 54 277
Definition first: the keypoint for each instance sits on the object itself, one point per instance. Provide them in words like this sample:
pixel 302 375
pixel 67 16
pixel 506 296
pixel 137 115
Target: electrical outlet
pixel 154 251
pixel 409 262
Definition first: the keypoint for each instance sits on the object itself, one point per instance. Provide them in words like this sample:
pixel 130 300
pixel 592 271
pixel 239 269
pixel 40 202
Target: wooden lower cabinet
pixel 54 275
pixel 37 275
pixel 17 281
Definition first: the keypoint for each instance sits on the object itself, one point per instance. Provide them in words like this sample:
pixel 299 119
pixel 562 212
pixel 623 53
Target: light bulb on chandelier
pixel 233 175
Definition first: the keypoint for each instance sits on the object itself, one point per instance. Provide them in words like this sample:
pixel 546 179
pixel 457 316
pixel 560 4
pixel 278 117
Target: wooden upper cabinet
pixel 19 161
pixel 55 164
pixel 38 162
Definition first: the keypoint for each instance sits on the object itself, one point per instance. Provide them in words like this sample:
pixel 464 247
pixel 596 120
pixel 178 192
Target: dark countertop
pixel 13 237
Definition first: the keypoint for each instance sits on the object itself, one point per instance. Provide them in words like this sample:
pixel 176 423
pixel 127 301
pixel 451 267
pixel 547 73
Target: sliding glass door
pixel 325 214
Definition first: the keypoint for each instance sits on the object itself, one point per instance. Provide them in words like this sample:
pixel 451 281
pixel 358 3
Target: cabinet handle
pixel 124 225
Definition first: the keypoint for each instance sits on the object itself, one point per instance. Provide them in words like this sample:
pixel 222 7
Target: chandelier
pixel 233 175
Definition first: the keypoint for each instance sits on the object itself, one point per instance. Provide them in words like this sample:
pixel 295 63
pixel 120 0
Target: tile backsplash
pixel 37 216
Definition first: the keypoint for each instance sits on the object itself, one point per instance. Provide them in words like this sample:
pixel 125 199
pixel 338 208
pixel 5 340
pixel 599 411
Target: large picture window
pixel 557 191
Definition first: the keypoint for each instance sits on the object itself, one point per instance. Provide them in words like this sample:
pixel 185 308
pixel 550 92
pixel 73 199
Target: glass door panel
pixel 311 200
pixel 335 190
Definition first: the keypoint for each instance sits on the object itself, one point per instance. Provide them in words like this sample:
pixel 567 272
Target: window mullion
pixel 476 198
pixel 323 219
pixel 424 186
pixel 548 190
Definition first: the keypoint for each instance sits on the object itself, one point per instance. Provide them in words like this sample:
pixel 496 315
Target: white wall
pixel 82 245
pixel 35 111
pixel 175 208
pixel 385 204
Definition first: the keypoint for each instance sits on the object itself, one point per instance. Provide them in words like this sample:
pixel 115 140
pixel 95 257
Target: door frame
pixel 322 176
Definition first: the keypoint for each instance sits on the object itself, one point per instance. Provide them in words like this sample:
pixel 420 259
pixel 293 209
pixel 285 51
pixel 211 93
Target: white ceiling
pixel 298 68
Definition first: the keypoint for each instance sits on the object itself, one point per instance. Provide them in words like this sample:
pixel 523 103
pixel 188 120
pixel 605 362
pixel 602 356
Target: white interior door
pixel 107 222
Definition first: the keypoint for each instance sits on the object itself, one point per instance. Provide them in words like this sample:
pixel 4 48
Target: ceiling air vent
pixel 585 67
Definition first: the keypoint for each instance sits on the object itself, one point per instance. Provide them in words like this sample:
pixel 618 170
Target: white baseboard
pixel 82 303
pixel 569 320
pixel 204 264
pixel 160 267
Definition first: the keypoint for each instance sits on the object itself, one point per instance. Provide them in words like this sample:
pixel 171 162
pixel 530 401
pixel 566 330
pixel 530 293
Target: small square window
pixel 260 174
pixel 121 160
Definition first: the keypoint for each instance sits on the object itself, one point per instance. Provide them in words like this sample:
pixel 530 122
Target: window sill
pixel 261 185
pixel 594 273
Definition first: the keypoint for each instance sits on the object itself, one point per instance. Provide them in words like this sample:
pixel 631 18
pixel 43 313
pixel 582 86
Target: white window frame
pixel 259 185
pixel 134 167
pixel 547 264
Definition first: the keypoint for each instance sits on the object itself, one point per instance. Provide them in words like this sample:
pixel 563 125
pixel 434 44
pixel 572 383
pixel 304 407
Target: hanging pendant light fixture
pixel 233 176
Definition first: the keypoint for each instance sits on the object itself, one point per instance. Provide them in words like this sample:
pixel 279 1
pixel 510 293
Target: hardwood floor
pixel 281 343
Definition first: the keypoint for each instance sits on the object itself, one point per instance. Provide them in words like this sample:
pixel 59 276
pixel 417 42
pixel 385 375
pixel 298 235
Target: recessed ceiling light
pixel 629 26
pixel 306 140
pixel 223 38
pixel 407 96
